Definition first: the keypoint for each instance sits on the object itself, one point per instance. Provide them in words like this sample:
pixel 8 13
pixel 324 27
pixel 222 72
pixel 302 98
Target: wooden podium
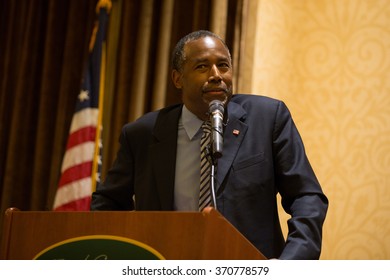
pixel 175 235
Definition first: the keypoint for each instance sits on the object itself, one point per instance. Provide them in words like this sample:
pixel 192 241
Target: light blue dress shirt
pixel 186 195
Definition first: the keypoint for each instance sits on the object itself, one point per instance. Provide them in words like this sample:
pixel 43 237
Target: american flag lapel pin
pixel 236 132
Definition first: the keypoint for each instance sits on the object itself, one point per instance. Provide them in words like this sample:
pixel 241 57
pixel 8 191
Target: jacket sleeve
pixel 301 193
pixel 117 190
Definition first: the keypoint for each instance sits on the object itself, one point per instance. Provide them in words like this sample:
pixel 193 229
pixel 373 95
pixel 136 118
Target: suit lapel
pixel 234 134
pixel 164 155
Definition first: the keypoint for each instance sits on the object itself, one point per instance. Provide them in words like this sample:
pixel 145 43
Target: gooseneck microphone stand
pixel 213 162
pixel 216 114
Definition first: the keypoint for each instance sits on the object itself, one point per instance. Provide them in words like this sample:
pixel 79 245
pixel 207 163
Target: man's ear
pixel 176 78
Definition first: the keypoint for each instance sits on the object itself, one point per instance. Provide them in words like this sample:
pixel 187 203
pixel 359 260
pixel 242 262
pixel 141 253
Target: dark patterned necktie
pixel 205 166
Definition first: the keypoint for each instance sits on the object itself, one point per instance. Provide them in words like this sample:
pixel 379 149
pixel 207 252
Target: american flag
pixel 80 171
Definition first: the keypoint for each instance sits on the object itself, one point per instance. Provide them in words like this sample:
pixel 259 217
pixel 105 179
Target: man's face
pixel 206 75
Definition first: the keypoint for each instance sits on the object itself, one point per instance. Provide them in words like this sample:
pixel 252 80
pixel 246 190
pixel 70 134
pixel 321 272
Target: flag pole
pixel 99 128
pixel 102 4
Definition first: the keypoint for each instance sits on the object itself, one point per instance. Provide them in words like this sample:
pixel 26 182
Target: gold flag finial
pixel 106 4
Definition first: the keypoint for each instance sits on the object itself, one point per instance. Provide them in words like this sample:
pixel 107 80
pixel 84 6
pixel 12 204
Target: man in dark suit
pixel 157 165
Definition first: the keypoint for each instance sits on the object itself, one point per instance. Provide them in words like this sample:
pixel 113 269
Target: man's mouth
pixel 210 94
pixel 215 91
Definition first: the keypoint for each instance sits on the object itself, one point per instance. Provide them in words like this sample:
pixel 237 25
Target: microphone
pixel 216 110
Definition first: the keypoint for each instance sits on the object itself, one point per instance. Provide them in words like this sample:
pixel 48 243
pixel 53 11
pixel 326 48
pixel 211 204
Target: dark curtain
pixel 43 46
pixel 43 50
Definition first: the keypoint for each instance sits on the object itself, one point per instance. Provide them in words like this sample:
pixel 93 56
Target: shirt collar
pixel 191 123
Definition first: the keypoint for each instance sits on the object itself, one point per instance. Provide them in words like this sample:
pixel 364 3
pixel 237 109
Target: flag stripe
pixel 75 204
pixel 80 136
pixel 78 155
pixel 75 173
pixel 83 118
pixel 73 191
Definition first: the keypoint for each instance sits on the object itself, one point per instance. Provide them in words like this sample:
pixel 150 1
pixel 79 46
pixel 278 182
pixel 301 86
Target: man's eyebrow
pixel 205 59
pixel 197 60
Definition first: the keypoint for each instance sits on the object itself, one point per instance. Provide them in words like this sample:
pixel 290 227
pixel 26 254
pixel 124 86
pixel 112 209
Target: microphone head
pixel 216 105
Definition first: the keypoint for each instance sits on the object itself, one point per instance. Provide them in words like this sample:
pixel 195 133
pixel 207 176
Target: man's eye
pixel 201 66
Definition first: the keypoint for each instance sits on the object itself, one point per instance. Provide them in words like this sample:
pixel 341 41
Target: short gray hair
pixel 178 56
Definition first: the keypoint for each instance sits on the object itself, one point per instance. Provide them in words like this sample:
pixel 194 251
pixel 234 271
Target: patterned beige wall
pixel 329 60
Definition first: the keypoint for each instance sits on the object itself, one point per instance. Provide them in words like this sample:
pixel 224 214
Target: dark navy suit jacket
pixel 264 156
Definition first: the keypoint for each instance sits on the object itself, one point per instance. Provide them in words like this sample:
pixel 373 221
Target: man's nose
pixel 215 75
